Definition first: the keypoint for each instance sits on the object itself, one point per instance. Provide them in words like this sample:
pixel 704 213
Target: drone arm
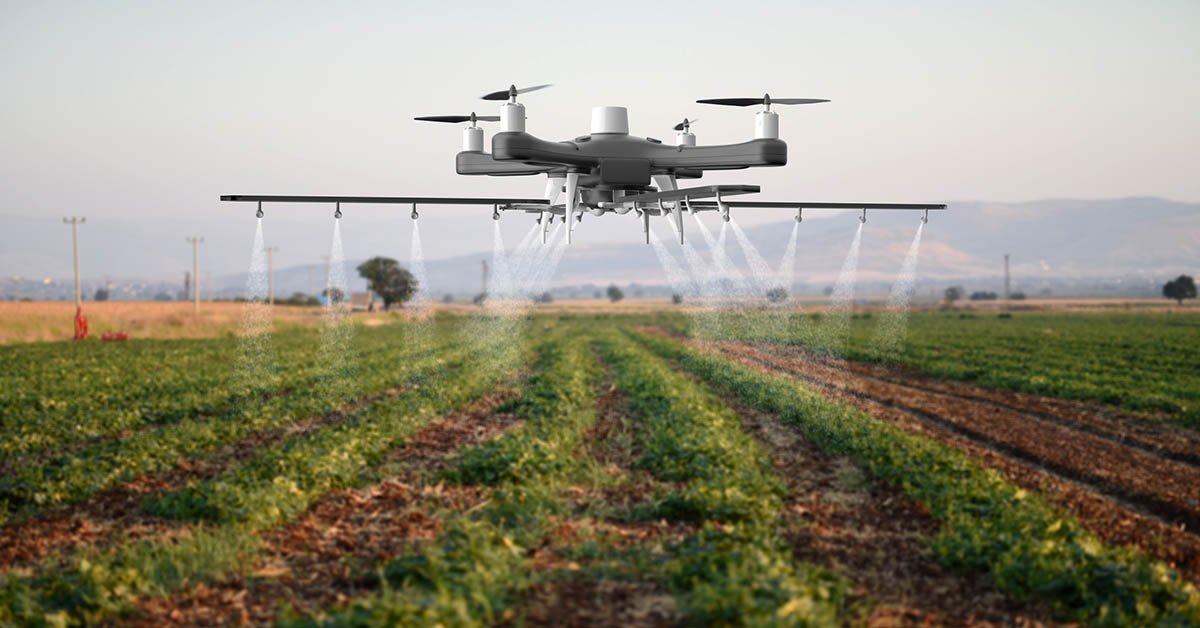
pixel 494 203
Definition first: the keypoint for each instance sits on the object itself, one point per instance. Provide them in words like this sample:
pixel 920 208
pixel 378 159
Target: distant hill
pixel 1135 242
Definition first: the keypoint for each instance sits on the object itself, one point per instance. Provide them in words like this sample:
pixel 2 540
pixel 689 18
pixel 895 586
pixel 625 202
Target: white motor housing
pixel 685 138
pixel 611 120
pixel 512 117
pixel 473 139
pixel 766 125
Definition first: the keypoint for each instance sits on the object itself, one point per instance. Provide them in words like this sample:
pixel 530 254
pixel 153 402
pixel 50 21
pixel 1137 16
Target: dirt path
pixel 1140 495
pixel 325 557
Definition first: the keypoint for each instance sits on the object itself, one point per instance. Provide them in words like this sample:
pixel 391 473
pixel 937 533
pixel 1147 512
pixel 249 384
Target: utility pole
pixel 271 274
pixel 195 240
pixel 1006 279
pixel 75 222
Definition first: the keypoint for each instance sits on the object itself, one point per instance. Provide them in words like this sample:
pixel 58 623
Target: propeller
pixel 456 119
pixel 765 101
pixel 683 126
pixel 512 91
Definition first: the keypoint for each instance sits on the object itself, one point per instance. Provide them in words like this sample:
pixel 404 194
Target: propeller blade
pixel 747 102
pixel 504 94
pixel 686 122
pixel 455 119
pixel 525 90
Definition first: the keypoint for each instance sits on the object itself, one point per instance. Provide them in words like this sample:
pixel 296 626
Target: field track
pixel 1129 480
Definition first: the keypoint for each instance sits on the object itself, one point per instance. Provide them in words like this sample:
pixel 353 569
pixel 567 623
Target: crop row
pixel 279 482
pixel 48 408
pixel 737 568
pixel 75 476
pixel 1140 362
pixel 478 565
pixel 1030 548
pixel 274 485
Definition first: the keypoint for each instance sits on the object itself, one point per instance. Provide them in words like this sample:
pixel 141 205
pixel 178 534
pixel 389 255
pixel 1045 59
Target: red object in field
pixel 114 336
pixel 81 325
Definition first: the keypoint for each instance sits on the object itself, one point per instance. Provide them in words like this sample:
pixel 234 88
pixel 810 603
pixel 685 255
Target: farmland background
pixel 621 465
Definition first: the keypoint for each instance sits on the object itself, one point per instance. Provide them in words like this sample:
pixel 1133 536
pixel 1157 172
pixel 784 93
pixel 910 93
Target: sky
pixel 148 111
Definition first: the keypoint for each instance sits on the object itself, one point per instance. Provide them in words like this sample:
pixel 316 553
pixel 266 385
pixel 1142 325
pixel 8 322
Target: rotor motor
pixel 512 117
pixel 766 125
pixel 473 139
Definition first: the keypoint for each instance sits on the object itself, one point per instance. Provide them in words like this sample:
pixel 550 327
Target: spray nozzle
pixel 799 214
pixel 414 214
pixel 495 212
pixel 925 218
pixel 337 211
pixel 863 217
pixel 259 213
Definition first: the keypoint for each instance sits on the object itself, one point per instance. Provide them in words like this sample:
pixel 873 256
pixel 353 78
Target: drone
pixel 609 171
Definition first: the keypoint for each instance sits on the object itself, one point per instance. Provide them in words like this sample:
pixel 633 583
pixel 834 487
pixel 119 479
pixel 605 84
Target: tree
pixel 983 295
pixel 614 293
pixel 385 277
pixel 953 293
pixel 676 298
pixel 777 295
pixel 1180 288
pixel 101 294
pixel 544 297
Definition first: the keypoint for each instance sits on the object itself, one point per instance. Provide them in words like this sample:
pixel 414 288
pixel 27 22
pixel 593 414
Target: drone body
pixel 609 170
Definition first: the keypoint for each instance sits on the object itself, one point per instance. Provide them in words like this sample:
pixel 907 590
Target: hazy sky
pixel 124 110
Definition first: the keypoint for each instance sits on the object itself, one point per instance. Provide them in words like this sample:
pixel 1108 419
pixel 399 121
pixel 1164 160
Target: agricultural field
pixel 610 468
